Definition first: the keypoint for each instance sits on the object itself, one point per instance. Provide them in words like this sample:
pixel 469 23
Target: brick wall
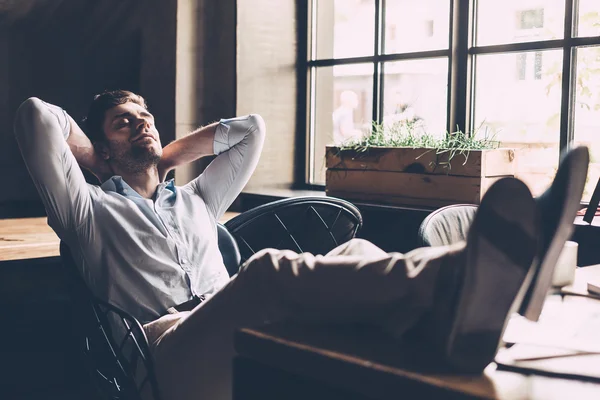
pixel 266 82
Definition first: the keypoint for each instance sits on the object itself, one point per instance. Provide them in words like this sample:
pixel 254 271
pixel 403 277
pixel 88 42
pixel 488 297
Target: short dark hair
pixel 94 122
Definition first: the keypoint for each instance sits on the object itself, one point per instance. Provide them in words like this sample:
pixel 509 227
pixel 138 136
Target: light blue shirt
pixel 142 255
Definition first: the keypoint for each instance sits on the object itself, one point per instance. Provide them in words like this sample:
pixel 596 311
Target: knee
pixel 357 247
pixel 264 261
pixel 356 242
pixel 272 262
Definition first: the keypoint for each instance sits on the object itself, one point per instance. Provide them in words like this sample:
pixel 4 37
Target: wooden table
pixel 30 238
pixel 301 363
pixel 310 362
pixel 27 238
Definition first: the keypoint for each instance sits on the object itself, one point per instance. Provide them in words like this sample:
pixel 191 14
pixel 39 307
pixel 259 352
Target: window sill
pixel 281 193
pixel 394 227
pixel 277 193
pixel 267 194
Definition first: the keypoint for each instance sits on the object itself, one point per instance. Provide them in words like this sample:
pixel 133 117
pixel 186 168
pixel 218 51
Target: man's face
pixel 132 141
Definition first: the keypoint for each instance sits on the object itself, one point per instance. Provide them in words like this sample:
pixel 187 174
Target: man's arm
pixel 42 131
pixel 187 149
pixel 238 143
pixel 85 154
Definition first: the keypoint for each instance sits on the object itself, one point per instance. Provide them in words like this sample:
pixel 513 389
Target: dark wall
pixel 64 55
pixel 179 55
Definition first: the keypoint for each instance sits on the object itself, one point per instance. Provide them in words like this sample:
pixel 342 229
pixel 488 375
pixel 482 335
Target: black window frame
pixel 462 52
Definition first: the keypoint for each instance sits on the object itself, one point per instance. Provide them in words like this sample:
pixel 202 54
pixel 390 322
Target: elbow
pixel 258 124
pixel 26 113
pixel 30 107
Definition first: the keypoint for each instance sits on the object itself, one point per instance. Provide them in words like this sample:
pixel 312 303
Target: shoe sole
pixel 501 246
pixel 557 207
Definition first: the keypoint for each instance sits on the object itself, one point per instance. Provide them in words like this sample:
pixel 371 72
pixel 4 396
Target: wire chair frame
pixel 305 206
pixel 135 336
pixel 114 343
pixel 115 375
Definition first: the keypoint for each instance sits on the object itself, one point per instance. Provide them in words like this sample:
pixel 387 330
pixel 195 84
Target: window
pixel 530 19
pixel 526 72
pixel 537 111
pixel 529 66
pixel 374 61
pixel 429 27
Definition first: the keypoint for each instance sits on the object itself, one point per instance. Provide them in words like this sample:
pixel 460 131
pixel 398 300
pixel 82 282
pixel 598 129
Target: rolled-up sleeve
pixel 238 143
pixel 41 130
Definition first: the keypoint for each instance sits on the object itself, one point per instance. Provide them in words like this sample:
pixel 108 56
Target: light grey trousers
pixel 355 282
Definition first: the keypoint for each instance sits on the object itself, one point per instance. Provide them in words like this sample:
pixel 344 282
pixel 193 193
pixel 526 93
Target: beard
pixel 136 159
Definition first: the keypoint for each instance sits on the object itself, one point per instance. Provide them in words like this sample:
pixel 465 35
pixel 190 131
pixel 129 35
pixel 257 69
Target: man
pixel 343 118
pixel 146 245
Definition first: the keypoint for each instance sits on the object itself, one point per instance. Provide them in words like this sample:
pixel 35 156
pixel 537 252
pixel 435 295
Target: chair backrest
pixel 302 224
pixel 229 250
pixel 447 225
pixel 118 356
pixel 113 343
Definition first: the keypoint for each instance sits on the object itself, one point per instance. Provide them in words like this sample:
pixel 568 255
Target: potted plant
pixel 399 164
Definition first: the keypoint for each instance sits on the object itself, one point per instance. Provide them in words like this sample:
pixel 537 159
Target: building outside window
pixel 390 60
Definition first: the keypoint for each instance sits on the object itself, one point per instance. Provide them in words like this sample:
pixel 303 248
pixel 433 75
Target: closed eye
pixel 122 123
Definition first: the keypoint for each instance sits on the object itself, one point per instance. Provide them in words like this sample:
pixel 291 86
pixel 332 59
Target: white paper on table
pixel 568 326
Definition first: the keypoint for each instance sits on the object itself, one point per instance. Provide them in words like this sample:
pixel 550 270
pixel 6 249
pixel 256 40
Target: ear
pixel 102 150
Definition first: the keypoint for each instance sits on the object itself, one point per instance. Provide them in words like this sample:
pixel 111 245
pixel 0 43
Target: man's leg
pixel 357 247
pixel 193 357
pixel 459 294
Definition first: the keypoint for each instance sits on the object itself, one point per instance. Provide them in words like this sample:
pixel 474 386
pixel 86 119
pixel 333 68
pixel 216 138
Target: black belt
pixel 188 305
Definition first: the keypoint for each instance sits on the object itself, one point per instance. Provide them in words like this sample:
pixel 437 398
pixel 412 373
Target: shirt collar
pixel 118 185
pixel 114 184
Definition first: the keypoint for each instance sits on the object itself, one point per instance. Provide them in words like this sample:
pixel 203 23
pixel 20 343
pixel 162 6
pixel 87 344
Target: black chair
pixel 447 225
pixel 229 250
pixel 302 224
pixel 112 359
pixel 118 357
pixel 114 346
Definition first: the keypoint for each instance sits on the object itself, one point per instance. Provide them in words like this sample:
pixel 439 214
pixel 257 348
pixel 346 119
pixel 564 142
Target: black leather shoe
pixel 557 207
pixel 501 246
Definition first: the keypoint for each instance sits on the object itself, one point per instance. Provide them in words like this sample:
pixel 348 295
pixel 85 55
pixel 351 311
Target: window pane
pixel 587 111
pixel 588 18
pixel 343 108
pixel 517 101
pixel 345 28
pixel 417 90
pixel 416 25
pixel 513 21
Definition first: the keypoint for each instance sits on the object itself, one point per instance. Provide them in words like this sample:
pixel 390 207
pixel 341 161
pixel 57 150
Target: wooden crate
pixel 407 176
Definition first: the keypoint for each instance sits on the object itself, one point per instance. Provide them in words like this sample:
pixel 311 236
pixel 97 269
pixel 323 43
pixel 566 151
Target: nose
pixel 141 123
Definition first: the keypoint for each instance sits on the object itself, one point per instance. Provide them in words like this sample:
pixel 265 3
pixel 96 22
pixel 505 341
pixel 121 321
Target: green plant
pixel 410 134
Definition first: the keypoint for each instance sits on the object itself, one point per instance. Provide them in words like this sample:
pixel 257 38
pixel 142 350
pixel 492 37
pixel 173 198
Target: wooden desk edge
pixel 47 245
pixel 276 351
